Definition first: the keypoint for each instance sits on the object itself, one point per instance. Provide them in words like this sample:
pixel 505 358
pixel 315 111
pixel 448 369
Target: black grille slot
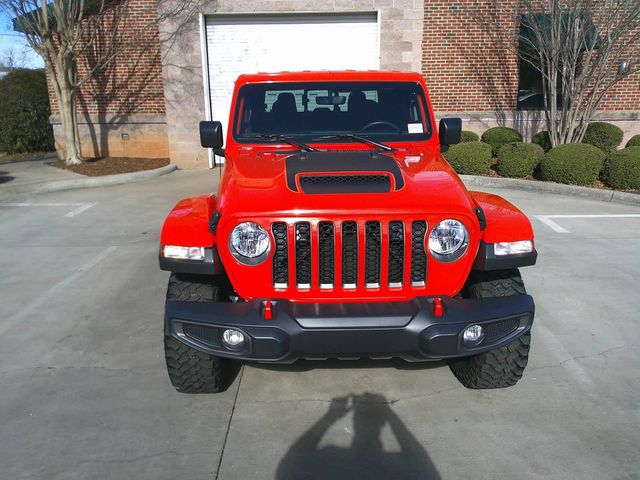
pixel 201 333
pixel 280 255
pixel 303 255
pixel 345 184
pixel 396 253
pixel 497 330
pixel 372 254
pixel 418 254
pixel 326 266
pixel 349 254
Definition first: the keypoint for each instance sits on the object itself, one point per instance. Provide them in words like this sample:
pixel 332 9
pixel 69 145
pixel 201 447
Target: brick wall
pixel 469 71
pixel 127 97
pixel 132 83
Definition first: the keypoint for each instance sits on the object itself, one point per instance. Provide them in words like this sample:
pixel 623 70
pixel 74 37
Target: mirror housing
pixel 211 135
pixel 449 131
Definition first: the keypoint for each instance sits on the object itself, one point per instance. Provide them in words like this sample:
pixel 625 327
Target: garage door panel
pixel 250 44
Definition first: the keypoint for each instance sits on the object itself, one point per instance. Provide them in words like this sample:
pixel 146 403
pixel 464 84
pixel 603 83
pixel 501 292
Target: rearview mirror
pixel 211 135
pixel 449 131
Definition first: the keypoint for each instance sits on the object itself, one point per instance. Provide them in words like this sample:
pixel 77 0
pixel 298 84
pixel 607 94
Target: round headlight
pixel 448 240
pixel 249 243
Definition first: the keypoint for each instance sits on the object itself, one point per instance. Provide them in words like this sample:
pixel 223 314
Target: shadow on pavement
pixel 4 178
pixel 366 457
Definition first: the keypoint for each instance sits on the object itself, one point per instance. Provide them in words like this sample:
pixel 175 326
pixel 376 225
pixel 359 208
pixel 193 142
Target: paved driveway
pixel 84 393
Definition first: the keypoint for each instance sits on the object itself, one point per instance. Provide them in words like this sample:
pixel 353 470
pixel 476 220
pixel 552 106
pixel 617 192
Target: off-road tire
pixel 191 371
pixel 502 367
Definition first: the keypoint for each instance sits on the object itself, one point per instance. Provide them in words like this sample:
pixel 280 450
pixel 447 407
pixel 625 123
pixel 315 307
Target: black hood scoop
pixel 343 172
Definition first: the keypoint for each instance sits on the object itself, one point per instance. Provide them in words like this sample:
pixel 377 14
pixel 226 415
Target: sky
pixel 12 41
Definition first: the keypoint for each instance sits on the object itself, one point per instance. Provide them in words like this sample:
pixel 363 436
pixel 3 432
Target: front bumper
pixel 409 330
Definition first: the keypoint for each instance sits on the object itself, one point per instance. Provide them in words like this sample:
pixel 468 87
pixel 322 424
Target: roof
pixel 329 75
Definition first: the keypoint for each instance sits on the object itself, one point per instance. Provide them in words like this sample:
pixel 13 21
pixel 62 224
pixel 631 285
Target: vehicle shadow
pixel 366 458
pixel 4 178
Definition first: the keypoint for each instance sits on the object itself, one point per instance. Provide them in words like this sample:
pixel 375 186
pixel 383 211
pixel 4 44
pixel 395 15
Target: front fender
pixel 504 223
pixel 187 225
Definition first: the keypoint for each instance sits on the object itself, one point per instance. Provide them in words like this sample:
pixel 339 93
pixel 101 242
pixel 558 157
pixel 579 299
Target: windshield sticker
pixel 415 128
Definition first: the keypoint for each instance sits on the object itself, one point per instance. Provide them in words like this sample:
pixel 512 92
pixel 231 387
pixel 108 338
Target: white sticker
pixel 415 128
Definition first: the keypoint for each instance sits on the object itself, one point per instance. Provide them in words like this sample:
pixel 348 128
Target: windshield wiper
pixel 358 138
pixel 290 141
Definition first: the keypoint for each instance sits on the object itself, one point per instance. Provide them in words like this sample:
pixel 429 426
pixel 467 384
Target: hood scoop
pixel 343 172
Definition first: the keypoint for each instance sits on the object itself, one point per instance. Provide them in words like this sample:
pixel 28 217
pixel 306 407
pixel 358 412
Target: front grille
pixel 396 254
pixel 303 255
pixel 280 255
pixel 350 255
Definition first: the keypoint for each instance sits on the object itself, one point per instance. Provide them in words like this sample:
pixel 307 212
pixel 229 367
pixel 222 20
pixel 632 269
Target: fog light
pixel 473 335
pixel 233 339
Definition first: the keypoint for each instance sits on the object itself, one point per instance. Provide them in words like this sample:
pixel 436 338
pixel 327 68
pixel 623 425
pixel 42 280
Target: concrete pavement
pixel 85 393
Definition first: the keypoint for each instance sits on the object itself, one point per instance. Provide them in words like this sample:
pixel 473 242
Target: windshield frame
pixel 335 137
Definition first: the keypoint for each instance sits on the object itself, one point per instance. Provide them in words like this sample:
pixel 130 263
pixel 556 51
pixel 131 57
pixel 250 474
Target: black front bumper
pixel 408 330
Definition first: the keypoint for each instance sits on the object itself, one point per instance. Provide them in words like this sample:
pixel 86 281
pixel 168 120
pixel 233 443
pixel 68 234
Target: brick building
pixel 150 102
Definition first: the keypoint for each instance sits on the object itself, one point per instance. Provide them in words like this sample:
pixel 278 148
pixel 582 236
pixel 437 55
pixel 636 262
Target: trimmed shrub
pixel 633 141
pixel 469 136
pixel 623 169
pixel 519 159
pixel 24 112
pixel 499 136
pixel 603 135
pixel 575 164
pixel 542 139
pixel 470 158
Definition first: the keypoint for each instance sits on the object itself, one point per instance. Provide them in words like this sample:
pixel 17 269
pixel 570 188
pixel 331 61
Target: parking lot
pixel 84 392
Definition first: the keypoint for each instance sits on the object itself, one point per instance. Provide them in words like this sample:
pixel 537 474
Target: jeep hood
pixel 348 182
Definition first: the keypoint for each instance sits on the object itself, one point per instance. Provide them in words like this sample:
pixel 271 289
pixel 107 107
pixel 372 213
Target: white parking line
pixel 546 219
pixel 44 297
pixel 550 223
pixel 80 207
pixel 79 210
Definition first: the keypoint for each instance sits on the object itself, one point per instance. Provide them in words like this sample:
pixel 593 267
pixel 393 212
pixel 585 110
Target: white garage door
pixel 250 44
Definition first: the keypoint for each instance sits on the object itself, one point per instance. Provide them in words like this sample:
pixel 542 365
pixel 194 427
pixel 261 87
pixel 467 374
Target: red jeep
pixel 340 231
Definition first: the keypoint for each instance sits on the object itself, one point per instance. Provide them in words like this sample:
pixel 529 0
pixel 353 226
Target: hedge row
pixel 576 164
pixel 24 112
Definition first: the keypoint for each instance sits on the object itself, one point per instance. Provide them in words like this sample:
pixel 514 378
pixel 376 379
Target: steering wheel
pixel 380 122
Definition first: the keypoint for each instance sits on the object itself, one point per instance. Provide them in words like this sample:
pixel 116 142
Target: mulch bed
pixel 97 167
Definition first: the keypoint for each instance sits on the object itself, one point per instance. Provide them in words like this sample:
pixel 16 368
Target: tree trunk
pixel 66 106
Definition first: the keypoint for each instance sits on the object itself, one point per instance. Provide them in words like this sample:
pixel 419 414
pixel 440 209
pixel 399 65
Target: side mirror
pixel 449 131
pixel 211 135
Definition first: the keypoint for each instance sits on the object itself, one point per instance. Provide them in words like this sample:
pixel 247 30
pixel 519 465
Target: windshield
pixel 328 111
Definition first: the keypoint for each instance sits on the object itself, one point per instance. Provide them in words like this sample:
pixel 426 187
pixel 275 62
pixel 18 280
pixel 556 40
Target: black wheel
pixel 504 366
pixel 191 371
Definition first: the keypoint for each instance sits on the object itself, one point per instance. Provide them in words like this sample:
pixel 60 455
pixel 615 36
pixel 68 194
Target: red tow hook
pixel 438 307
pixel 267 310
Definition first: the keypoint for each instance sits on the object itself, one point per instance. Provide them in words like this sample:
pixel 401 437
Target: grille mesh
pixel 280 255
pixel 349 253
pixel 345 183
pixel 396 253
pixel 418 254
pixel 326 253
pixel 303 254
pixel 372 253
pixel 497 330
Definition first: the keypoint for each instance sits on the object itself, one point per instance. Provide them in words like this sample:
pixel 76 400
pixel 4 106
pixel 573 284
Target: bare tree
pixel 13 58
pixel 582 49
pixel 67 33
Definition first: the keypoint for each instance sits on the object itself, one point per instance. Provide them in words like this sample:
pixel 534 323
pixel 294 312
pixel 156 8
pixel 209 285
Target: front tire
pixel 502 367
pixel 191 371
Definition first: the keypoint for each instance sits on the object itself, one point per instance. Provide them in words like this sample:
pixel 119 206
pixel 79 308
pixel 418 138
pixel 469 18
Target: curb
pixel 90 182
pixel 555 188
